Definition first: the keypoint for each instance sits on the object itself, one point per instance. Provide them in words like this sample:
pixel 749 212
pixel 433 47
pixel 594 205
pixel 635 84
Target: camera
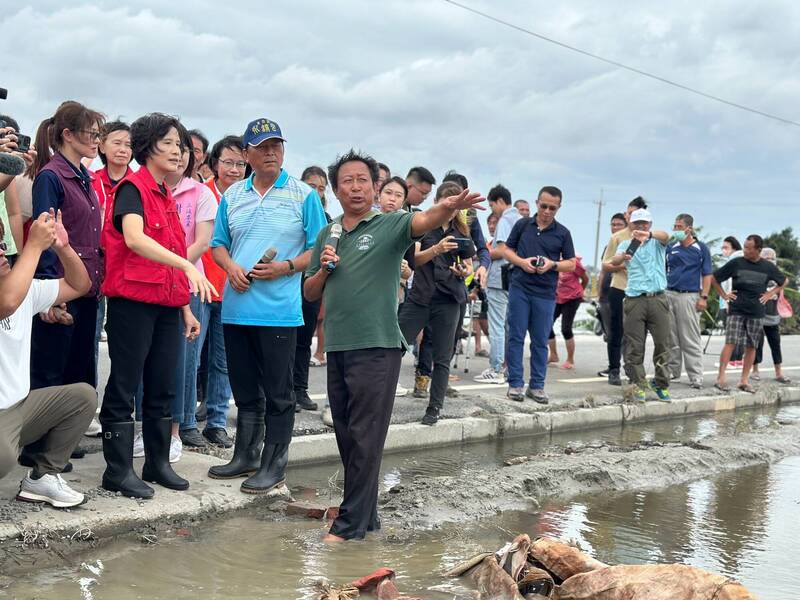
pixel 466 249
pixel 538 262
pixel 23 143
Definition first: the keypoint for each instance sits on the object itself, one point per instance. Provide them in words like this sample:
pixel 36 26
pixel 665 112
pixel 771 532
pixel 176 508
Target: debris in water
pixel 379 584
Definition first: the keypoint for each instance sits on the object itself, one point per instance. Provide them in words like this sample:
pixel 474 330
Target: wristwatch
pixel 704 296
pixel 291 268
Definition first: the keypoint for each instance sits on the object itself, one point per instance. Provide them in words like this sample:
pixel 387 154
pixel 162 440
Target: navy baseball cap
pixel 261 129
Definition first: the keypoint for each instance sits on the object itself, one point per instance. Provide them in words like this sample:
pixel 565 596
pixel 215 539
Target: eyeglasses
pixel 550 207
pixel 92 135
pixel 229 164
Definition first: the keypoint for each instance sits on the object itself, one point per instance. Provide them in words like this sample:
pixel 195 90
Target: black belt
pixel 648 294
pixel 685 291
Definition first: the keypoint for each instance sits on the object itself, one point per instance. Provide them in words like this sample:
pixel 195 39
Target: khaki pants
pixel 687 343
pixel 53 419
pixel 643 315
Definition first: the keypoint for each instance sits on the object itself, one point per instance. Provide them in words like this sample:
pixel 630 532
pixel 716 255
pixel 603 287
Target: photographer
pixel 646 308
pixel 437 294
pixel 540 247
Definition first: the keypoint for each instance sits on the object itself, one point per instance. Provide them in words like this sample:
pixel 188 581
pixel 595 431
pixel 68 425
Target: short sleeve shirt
pixel 190 214
pixel 360 296
pixel 687 265
pixel 15 341
pixel 528 240
pixel 569 284
pixel 619 279
pixel 288 218
pixel 504 226
pixel 647 271
pixel 750 280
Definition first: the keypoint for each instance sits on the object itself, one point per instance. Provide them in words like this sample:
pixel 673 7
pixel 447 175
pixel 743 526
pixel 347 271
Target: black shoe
pixel 451 392
pixel 431 416
pixel 26 461
pixel 218 436
pixel 613 377
pixel 271 473
pixel 304 401
pixel 192 438
pixel 78 452
pixel 156 434
pixel 246 450
pixel 118 452
pixel 603 373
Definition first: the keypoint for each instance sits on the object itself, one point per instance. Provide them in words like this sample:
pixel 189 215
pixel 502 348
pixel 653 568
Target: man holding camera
pixel 265 228
pixel 540 247
pixel 646 308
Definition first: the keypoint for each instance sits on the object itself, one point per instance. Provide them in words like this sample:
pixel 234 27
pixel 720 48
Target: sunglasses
pixel 550 207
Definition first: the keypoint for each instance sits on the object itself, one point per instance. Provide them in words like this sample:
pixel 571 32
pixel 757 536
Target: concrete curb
pixel 322 447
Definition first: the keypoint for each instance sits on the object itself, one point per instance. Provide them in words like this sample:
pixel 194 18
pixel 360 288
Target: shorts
pixel 744 331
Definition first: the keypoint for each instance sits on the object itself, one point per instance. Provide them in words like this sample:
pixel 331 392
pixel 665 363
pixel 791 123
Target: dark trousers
pixel 615 330
pixel 425 353
pixel 305 336
pixel 260 364
pixel 773 335
pixel 64 354
pixel 442 317
pixel 643 315
pixel 361 387
pixel 567 312
pixel 143 344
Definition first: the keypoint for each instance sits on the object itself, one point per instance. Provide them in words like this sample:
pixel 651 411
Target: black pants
pixel 425 353
pixel 64 354
pixel 305 336
pixel 773 335
pixel 567 312
pixel 361 387
pixel 260 364
pixel 442 317
pixel 143 344
pixel 615 331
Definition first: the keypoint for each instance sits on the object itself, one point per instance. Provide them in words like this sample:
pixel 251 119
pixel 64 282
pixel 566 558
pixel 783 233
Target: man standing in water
pixel 357 277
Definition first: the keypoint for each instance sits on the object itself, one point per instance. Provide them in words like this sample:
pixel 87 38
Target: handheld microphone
pixel 268 256
pixel 333 241
pixel 11 165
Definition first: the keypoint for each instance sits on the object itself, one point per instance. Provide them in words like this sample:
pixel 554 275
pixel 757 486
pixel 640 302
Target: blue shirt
pixel 504 226
pixel 647 271
pixel 687 265
pixel 288 218
pixel 527 240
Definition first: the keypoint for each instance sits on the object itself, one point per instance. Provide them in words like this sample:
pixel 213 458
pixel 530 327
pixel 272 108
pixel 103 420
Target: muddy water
pixel 743 524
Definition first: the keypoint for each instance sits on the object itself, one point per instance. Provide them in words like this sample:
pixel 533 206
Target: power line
pixel 623 66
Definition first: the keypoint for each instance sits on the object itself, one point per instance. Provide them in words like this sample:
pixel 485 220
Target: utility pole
pixel 600 203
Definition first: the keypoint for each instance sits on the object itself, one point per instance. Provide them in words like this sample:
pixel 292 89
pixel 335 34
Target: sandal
pixel 755 377
pixel 567 366
pixel 315 362
pixel 746 387
pixel 722 387
pixel 783 379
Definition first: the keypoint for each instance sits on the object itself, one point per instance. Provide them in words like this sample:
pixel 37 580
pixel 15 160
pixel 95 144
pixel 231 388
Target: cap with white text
pixel 261 130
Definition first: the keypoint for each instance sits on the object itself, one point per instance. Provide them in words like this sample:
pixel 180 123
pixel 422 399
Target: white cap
pixel 641 214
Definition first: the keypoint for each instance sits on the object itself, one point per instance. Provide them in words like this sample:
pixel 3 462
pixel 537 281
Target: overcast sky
pixel 423 82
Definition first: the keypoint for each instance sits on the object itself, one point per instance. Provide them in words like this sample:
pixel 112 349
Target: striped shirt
pixel 288 218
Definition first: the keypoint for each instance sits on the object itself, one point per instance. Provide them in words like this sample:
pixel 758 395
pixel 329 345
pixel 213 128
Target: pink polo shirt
pixel 196 204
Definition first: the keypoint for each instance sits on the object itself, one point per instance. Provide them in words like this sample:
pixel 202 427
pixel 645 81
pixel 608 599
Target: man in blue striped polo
pixel 265 228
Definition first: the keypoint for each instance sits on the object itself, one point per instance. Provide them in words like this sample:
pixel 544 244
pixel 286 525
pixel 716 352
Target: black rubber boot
pixel 246 450
pixel 156 434
pixel 119 475
pixel 272 472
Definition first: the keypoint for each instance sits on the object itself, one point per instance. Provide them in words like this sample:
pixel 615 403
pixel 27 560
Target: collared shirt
pixel 360 296
pixel 288 218
pixel 195 204
pixel 619 279
pixel 434 278
pixel 647 272
pixel 527 240
pixel 476 233
pixel 687 265
pixel 63 186
pixel 504 226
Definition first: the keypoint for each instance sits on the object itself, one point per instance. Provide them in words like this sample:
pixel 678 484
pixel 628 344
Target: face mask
pixel 679 235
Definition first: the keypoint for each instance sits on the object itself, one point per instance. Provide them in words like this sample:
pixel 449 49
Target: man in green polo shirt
pixel 358 281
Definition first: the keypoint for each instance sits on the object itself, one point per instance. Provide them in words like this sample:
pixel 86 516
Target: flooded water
pixel 743 524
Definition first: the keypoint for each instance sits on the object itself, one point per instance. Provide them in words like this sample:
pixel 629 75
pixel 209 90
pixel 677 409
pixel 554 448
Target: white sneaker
pixel 51 489
pixel 138 446
pixel 327 416
pixel 175 449
pixel 94 428
pixel 400 390
pixel 491 376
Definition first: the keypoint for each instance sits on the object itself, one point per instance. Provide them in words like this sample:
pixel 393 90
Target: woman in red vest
pixel 147 285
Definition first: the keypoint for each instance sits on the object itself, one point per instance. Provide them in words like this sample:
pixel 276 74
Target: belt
pixel 648 294
pixel 685 291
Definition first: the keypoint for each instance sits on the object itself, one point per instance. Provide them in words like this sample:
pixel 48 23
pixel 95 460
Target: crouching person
pixel 56 417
